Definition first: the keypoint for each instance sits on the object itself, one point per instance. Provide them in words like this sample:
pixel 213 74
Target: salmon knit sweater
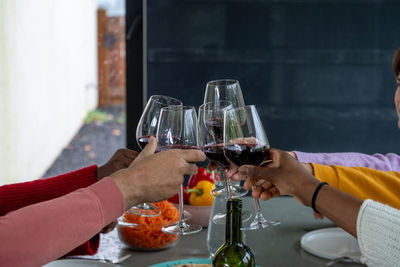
pixel 16 196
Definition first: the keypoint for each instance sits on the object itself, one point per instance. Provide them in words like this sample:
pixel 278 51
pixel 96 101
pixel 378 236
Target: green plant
pixel 97 115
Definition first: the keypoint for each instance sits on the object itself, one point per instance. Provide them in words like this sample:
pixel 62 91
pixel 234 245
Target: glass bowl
pixel 145 236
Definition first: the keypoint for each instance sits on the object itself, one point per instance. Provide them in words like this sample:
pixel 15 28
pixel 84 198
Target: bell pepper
pixel 175 198
pixel 202 174
pixel 200 194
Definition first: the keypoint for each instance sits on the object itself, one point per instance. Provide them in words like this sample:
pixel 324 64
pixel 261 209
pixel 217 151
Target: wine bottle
pixel 233 252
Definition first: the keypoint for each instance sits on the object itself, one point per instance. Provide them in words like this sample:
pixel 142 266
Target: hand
pixel 154 177
pixel 121 159
pixel 283 176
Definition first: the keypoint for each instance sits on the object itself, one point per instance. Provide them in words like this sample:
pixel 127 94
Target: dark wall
pixel 319 72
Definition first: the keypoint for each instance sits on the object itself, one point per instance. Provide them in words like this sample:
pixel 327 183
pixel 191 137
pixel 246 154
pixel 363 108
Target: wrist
pixel 99 173
pixel 308 167
pixel 131 195
pixel 306 192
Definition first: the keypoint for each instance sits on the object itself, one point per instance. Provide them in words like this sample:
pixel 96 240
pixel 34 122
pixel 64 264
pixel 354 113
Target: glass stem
pixel 256 204
pixel 228 187
pixel 181 211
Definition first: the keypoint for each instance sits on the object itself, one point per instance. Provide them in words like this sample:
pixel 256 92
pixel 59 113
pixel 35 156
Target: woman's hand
pixel 283 176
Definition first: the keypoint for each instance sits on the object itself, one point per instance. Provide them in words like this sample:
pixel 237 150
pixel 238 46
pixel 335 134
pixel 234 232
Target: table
pixel 277 246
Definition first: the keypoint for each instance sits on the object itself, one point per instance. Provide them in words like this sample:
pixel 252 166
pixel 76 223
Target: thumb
pixel 150 148
pixel 250 170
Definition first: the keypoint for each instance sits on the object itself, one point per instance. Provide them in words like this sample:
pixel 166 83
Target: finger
pixel 274 191
pixel 150 148
pixel 247 185
pixel 251 171
pixel 256 194
pixel 266 195
pixel 131 154
pixel 238 177
pixel 318 215
pixel 192 155
pixel 191 169
pixel 212 166
pixel 231 171
pixel 266 185
pixel 257 189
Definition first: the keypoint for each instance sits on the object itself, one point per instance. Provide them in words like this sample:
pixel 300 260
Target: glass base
pixel 260 222
pixel 184 229
pixel 237 191
pixel 145 210
pixel 220 218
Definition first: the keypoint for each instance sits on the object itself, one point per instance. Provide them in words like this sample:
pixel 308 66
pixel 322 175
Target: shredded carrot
pixel 148 234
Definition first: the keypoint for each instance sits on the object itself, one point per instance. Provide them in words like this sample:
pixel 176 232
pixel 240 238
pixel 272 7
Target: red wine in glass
pixel 143 141
pixel 242 154
pixel 245 142
pixel 216 128
pixel 215 153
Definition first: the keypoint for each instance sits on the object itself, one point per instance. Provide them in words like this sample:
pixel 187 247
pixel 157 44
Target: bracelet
pixel 314 197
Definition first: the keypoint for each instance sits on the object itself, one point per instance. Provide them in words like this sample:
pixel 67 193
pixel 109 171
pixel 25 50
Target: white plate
pixel 330 243
pixel 78 263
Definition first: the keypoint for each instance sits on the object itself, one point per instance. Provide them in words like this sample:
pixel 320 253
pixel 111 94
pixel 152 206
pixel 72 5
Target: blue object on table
pixel 183 261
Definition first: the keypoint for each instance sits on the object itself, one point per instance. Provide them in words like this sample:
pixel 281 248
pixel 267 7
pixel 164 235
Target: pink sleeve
pixel 39 233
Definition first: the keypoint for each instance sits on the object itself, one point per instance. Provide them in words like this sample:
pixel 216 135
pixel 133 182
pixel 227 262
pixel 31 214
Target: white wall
pixel 48 66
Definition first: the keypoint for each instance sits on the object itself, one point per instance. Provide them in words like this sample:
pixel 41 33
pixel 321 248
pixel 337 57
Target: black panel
pixel 134 69
pixel 318 71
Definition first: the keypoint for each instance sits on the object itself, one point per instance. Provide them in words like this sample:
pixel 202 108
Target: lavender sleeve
pixel 388 162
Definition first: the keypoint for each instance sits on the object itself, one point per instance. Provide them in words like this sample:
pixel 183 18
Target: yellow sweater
pixel 363 183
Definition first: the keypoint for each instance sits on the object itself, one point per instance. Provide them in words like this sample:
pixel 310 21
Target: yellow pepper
pixel 200 195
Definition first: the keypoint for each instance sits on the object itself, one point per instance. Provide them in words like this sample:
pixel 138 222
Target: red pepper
pixel 175 199
pixel 202 174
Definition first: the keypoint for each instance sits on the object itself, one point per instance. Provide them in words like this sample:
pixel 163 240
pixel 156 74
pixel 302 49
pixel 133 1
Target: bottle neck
pixel 233 233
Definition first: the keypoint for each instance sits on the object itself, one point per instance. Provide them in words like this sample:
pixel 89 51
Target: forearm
pixel 59 225
pixel 388 162
pixel 15 196
pixel 340 207
pixel 362 183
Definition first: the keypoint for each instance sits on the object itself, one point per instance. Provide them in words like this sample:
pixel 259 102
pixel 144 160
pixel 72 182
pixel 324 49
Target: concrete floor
pixel 93 144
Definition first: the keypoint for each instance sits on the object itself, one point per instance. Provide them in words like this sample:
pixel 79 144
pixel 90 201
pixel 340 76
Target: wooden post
pixel 101 55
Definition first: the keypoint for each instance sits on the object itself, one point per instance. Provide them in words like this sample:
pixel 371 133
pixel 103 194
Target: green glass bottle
pixel 233 252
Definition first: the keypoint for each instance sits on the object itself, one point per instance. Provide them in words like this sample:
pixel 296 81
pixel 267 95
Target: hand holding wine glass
pixel 146 128
pixel 178 129
pixel 245 143
pixel 146 180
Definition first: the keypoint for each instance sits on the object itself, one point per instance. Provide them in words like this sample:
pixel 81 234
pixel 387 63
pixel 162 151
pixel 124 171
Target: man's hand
pixel 121 159
pixel 154 177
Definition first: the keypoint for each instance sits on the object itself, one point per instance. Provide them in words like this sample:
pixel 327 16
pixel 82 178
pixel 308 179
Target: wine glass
pixel 224 89
pixel 245 142
pixel 229 90
pixel 148 122
pixel 147 127
pixel 178 129
pixel 211 128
